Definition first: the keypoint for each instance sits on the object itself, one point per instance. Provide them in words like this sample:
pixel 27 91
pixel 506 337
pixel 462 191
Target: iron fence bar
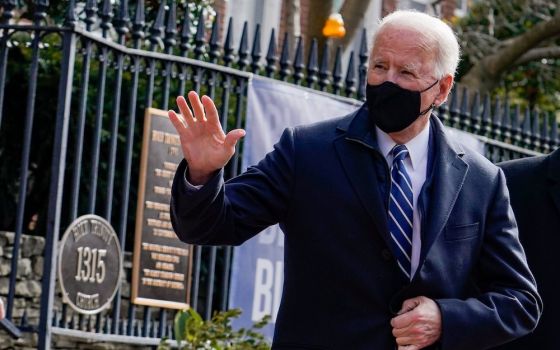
pixel 24 170
pixel 3 64
pixel 137 35
pixel 226 87
pixel 96 140
pixel 56 189
pixel 114 136
pixel 111 167
pixel 196 277
pixel 213 250
pixel 78 148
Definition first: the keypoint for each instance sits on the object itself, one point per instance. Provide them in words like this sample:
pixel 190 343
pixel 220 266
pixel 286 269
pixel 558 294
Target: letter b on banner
pixel 268 289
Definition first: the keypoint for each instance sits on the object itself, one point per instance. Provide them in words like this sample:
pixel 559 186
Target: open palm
pixel 205 146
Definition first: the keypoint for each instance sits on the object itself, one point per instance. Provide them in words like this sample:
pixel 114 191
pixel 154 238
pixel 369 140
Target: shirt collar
pixel 417 147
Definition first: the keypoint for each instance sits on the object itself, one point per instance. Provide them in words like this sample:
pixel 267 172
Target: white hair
pixel 437 35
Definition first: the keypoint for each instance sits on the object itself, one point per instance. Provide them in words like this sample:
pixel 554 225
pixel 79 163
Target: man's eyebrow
pixel 411 67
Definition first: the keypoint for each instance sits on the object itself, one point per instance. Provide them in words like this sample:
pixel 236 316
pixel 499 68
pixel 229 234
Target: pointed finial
pixel 214 44
pixel 486 115
pixel 40 11
pixel 106 17
pixel 285 62
pixel 464 114
pixel 506 121
pixel 496 120
pixel 199 39
pixel 256 52
pixel 526 129
pixel 171 28
pixel 324 72
pixel 362 69
pixel 8 10
pixel 475 113
pixel 312 66
pixel 71 19
pixel 351 76
pixel 535 132
pixel 156 32
pixel 186 35
pixel 138 24
pixel 271 57
pixel 515 127
pixel 298 62
pixel 122 21
pixel 91 12
pixel 228 45
pixel 243 49
pixel 337 71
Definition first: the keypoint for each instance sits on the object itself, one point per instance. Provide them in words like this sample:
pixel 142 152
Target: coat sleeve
pixel 229 213
pixel 508 305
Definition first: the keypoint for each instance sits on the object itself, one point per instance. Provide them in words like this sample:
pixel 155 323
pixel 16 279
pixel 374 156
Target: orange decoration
pixel 334 27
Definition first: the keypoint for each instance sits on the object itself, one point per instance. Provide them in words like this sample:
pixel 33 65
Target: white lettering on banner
pixel 268 289
pixel 272 234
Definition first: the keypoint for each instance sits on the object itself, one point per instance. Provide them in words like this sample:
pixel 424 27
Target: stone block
pixel 8 236
pixel 32 246
pixel 4 282
pixel 5 266
pixel 38 263
pixel 28 288
pixel 24 268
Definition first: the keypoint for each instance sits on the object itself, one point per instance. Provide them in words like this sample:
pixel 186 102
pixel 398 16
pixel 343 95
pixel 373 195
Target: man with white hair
pixel 395 236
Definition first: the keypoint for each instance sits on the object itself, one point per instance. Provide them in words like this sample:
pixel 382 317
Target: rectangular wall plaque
pixel 162 264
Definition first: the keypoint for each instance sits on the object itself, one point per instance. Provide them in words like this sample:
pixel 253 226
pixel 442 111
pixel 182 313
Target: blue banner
pixel 258 264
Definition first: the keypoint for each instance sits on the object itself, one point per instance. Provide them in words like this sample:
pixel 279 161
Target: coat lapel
pixel 356 150
pixel 554 177
pixel 448 175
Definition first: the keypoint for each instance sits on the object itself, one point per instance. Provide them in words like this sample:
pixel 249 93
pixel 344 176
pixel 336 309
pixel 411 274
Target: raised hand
pixel 205 146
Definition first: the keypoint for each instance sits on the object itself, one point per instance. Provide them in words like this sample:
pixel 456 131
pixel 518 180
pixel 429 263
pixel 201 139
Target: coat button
pixel 386 254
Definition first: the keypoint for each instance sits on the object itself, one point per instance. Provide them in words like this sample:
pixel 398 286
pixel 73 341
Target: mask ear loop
pixel 433 105
pixel 431 86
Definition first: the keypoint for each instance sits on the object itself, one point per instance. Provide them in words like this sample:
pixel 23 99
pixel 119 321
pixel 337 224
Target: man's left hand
pixel 418 324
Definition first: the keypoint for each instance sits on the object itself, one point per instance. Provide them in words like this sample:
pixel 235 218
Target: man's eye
pixel 379 66
pixel 405 72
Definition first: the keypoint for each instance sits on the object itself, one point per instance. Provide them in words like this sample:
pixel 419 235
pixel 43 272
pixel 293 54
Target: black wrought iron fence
pixel 76 151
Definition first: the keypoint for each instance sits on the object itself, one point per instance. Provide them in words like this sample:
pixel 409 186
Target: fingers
pixel 233 136
pixel 185 111
pixel 177 121
pixel 418 323
pixel 404 317
pixel 210 109
pixel 198 109
pixel 408 347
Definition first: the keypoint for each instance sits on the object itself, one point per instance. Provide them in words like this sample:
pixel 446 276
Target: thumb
pixel 408 305
pixel 233 136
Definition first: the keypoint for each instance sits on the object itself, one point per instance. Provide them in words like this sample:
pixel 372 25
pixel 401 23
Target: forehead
pixel 401 44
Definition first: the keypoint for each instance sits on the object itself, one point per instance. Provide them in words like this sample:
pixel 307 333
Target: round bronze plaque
pixel 89 264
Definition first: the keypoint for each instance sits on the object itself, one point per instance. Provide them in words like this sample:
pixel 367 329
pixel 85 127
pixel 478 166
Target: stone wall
pixel 28 293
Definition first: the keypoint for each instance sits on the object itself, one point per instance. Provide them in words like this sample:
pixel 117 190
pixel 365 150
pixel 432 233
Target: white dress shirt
pixel 416 164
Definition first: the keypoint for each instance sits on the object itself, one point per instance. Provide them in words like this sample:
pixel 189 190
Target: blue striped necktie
pixel 401 209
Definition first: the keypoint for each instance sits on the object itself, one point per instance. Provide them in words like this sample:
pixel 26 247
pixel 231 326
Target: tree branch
pixel 539 53
pixel 504 58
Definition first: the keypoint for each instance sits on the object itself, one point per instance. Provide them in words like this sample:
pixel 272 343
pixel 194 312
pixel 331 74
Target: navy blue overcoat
pixel 326 185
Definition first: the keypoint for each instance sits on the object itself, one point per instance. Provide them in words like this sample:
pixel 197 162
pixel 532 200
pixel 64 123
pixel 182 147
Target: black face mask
pixel 393 108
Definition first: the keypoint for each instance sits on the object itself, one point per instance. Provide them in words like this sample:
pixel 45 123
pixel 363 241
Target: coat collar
pixel 553 174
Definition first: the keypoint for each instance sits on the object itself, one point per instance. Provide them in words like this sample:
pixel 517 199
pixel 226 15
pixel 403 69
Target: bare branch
pixel 539 53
